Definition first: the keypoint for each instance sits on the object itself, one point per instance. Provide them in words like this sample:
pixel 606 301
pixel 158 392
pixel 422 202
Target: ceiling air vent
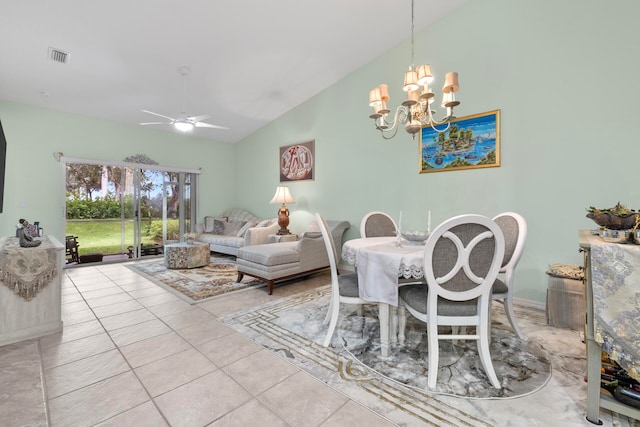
pixel 58 55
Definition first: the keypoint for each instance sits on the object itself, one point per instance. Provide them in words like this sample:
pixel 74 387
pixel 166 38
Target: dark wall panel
pixel 3 157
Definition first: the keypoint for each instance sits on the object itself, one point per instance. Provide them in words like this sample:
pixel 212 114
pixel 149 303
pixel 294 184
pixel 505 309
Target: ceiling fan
pixel 183 123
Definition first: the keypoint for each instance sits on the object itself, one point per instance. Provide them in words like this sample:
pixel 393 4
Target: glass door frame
pixel 137 168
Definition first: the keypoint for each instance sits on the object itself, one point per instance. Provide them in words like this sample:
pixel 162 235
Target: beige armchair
pixel 274 262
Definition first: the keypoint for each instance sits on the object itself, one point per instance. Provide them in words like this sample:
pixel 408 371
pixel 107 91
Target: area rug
pixel 293 327
pixel 197 284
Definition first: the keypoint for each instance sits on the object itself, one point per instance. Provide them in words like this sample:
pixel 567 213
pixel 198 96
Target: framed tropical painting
pixel 469 142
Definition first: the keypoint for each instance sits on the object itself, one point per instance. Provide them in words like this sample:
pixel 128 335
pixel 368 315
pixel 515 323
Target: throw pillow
pixel 218 226
pixel 232 228
pixel 265 223
pixel 566 271
pixel 245 227
pixel 209 223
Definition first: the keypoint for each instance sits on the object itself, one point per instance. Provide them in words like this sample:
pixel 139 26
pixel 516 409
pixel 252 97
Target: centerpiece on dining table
pixel 415 237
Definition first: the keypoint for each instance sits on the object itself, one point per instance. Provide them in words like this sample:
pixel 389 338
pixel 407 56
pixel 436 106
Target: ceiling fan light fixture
pixel 183 126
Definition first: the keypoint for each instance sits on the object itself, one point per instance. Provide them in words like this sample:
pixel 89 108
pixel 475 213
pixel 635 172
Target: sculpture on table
pixel 25 232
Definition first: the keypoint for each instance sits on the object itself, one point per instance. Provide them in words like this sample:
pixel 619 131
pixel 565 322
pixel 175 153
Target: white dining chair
pixel 344 287
pixel 514 228
pixel 461 262
pixel 378 224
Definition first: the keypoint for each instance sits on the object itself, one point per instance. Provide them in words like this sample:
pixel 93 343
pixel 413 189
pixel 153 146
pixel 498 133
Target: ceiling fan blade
pixel 155 123
pixel 207 125
pixel 159 115
pixel 198 118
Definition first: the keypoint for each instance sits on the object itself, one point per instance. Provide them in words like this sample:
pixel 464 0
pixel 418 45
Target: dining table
pixel 380 262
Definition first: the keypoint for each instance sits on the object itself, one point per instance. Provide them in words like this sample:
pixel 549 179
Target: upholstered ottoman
pixel 565 297
pixel 185 255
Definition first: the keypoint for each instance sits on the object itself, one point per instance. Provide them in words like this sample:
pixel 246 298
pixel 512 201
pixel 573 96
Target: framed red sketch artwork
pixel 297 162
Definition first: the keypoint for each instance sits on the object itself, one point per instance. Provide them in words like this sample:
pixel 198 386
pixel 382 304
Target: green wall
pixel 34 179
pixel 563 75
pixel 561 72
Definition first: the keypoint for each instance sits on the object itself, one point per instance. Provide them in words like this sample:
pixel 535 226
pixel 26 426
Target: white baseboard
pixel 536 305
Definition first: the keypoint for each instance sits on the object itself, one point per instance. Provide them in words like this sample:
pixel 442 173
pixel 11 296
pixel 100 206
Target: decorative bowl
pixel 415 236
pixel 614 221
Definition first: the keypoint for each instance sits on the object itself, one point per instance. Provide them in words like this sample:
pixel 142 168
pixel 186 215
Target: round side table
pixel 185 255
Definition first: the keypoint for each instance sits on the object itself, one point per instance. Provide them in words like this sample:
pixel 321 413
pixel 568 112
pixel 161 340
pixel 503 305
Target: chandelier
pixel 415 113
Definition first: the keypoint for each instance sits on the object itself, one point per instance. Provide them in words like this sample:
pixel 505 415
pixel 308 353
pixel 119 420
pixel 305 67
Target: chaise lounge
pixel 287 260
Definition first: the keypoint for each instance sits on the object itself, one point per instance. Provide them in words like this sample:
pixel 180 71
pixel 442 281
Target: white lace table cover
pixel 379 262
pixel 27 270
pixel 615 277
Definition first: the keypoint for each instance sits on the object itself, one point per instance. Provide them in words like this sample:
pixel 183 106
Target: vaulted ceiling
pixel 250 60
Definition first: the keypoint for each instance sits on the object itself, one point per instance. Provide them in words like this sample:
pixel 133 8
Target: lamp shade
pixel 450 82
pixel 384 92
pixel 374 97
pixel 410 80
pixel 282 196
pixel 424 75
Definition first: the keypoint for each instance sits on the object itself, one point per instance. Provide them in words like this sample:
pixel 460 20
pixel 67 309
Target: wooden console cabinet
pixel 21 318
pixel 595 398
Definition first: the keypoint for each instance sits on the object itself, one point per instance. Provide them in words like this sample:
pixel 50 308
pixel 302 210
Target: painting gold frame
pixel 470 142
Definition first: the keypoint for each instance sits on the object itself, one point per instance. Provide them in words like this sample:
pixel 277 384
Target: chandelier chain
pixel 412 44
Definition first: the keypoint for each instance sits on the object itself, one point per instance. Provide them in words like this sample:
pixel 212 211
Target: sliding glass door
pixel 124 211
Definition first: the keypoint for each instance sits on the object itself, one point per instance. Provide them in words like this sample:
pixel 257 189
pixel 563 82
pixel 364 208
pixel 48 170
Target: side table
pixel 186 255
pixel 277 238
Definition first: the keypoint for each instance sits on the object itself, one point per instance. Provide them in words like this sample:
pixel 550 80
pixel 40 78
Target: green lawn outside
pixel 104 236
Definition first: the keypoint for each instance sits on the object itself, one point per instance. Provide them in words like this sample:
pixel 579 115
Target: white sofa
pixel 234 229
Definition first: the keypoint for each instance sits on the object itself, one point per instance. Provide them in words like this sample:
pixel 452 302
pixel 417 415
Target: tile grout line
pixel 131 369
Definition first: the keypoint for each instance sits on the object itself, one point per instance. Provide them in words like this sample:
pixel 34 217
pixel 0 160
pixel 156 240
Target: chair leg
pixel 402 323
pixel 485 355
pixel 329 311
pixel 434 353
pixel 458 330
pixel 511 315
pixel 335 310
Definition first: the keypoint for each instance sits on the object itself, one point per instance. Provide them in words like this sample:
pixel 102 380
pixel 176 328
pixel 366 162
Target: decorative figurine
pixel 24 233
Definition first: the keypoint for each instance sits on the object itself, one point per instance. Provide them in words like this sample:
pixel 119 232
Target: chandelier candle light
pixel 283 196
pixel 415 112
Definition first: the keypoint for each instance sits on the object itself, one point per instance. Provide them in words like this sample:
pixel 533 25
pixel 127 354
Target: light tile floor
pixel 133 354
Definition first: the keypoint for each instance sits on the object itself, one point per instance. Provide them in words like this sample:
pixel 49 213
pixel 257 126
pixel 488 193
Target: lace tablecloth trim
pixel 410 271
pixel 349 256
pixel 27 270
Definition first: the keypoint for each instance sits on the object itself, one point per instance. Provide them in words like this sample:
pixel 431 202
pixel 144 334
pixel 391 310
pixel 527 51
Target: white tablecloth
pixel 379 262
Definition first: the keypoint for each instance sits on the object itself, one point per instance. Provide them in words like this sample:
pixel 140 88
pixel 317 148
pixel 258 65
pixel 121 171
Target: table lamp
pixel 283 196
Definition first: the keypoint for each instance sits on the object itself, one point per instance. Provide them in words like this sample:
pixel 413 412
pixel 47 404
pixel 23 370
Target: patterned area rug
pixel 395 386
pixel 197 284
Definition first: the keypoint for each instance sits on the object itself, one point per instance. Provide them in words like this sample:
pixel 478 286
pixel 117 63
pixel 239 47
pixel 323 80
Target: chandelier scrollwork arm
pixel 388 129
